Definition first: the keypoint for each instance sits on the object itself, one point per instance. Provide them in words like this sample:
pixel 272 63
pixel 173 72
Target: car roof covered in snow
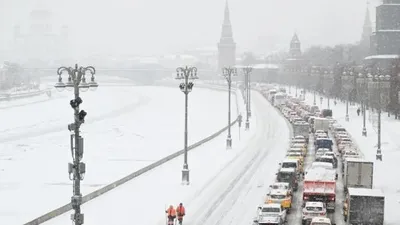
pixel 320 220
pixel 321 164
pixel 280 184
pixel 365 192
pixel 287 170
pixel 287 160
pixel 271 205
pixel 278 192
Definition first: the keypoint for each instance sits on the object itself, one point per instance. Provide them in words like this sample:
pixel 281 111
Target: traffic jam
pixel 324 178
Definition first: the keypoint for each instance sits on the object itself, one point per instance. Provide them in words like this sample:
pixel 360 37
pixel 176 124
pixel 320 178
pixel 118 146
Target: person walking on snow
pixel 171 214
pixel 358 111
pixel 180 210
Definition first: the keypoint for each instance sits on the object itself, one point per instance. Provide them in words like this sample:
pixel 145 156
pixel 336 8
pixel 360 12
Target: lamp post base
pixel 185 176
pixel 364 132
pixel 229 143
pixel 247 124
pixel 347 118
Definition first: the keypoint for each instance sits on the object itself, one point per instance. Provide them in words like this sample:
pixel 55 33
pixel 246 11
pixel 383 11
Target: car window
pixel 313 208
pixel 278 196
pixel 270 209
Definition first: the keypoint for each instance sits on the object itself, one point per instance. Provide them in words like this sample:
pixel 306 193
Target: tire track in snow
pixel 256 154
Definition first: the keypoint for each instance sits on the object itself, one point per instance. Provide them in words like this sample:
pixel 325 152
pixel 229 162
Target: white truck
pixel 358 173
pixel 279 99
pixel 321 124
pixel 301 129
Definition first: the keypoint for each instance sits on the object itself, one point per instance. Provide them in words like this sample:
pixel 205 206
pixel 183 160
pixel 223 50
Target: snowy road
pixel 126 129
pixel 226 188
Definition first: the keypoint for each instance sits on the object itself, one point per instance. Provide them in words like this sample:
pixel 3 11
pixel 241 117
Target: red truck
pixel 320 186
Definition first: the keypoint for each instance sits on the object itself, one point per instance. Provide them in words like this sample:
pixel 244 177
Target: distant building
pixel 386 38
pixel 37 44
pixel 295 61
pixel 226 45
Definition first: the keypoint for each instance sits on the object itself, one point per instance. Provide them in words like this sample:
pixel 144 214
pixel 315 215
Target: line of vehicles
pixel 319 152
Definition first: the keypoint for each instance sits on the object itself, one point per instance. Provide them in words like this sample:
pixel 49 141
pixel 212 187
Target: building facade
pixel 226 45
pixel 386 39
pixel 37 43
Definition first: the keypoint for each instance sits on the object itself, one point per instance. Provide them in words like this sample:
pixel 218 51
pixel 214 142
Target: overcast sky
pixel 165 26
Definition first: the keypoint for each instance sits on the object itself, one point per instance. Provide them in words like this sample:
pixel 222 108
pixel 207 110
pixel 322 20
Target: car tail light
pixel 305 197
pixel 305 213
pixel 331 198
pixel 323 214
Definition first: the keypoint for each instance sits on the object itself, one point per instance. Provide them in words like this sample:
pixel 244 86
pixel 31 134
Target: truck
pixel 279 99
pixel 358 173
pixel 320 186
pixel 301 129
pixel 321 124
pixel 364 206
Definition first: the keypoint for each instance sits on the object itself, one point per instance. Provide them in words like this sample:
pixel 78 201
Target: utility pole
pixel 186 74
pixel 77 169
pixel 228 72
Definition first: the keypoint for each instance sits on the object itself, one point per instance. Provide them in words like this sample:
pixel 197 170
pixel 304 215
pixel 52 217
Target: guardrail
pixel 65 208
pixel 8 97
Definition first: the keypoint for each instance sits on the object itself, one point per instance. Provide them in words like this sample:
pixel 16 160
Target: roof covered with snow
pixel 382 57
pixel 358 160
pixel 320 174
pixel 366 192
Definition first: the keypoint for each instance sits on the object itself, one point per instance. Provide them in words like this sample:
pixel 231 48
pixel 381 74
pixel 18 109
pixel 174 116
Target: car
pixel 296 155
pixel 321 165
pixel 272 209
pixel 299 137
pixel 288 175
pixel 312 210
pixel 292 163
pixel 334 156
pixel 281 197
pixel 302 146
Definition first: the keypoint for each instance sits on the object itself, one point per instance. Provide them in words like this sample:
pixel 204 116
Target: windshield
pixel 278 196
pixel 284 177
pixel 328 160
pixel 289 165
pixel 275 187
pixel 270 209
pixel 313 208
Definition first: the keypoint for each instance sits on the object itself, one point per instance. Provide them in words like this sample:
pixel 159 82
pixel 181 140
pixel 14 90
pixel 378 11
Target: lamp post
pixel 249 94
pixel 76 82
pixel 186 74
pixel 247 70
pixel 362 80
pixel 379 80
pixel 228 72
pixel 348 78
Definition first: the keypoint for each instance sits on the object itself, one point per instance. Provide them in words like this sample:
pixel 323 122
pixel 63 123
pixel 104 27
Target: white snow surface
pixel 126 129
pixel 385 175
pixel 226 185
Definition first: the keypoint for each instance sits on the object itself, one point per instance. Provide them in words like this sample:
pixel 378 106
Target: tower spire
pixel 367 28
pixel 226 45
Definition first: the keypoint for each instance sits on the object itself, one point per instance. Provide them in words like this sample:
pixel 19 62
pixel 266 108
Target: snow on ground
pixel 126 129
pixel 226 185
pixel 384 172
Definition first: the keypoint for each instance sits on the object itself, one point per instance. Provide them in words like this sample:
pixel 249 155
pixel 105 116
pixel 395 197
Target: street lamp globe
pixel 69 85
pixel 83 86
pixel 60 86
pixel 93 84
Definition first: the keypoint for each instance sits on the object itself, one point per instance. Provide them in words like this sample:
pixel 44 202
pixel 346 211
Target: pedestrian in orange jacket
pixel 171 213
pixel 180 210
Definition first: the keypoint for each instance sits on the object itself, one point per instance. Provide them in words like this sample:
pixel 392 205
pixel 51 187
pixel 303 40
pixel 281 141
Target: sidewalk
pixel 385 172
